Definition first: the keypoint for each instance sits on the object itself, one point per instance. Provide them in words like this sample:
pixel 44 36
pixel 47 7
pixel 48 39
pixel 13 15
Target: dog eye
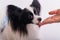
pixel 30 16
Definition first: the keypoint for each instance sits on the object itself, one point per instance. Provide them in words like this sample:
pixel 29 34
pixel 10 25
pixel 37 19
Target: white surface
pixel 47 32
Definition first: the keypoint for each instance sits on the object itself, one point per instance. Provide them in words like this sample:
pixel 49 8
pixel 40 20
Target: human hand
pixel 53 19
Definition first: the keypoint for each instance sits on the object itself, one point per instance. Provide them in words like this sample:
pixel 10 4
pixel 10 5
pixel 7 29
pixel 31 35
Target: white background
pixel 47 32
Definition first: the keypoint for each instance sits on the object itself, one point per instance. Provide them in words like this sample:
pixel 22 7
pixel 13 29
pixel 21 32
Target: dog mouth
pixel 38 24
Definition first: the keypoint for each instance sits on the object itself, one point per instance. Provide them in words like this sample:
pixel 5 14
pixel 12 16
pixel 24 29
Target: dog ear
pixel 13 11
pixel 36 6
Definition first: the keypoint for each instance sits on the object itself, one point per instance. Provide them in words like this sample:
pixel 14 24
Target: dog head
pixel 19 18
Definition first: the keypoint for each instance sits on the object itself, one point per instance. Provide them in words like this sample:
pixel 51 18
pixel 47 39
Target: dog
pixel 23 23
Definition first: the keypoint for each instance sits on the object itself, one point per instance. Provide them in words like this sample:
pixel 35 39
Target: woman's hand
pixel 53 19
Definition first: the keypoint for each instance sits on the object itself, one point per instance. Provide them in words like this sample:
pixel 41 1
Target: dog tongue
pixel 38 24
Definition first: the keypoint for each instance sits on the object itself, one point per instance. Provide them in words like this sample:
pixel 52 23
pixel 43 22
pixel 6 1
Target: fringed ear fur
pixel 13 11
pixel 37 7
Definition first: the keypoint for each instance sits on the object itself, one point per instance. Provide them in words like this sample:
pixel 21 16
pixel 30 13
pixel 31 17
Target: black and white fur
pixel 23 23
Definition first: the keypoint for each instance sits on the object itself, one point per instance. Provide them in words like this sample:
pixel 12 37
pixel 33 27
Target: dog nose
pixel 39 19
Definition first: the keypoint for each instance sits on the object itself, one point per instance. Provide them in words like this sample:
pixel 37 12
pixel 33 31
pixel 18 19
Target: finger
pixel 49 20
pixel 52 12
pixel 46 21
pixel 55 12
pixel 58 12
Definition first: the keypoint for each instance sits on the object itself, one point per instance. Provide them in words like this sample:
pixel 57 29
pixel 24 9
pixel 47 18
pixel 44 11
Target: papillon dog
pixel 23 24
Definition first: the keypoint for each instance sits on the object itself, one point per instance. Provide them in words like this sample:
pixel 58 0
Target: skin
pixel 53 19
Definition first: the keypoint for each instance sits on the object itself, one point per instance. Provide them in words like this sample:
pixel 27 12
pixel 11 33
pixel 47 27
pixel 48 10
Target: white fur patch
pixel 35 20
pixel 33 31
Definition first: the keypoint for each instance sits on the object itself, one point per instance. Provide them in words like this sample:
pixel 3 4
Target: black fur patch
pixel 37 7
pixel 19 18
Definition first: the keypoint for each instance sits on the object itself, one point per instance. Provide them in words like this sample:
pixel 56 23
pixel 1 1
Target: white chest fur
pixel 32 33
